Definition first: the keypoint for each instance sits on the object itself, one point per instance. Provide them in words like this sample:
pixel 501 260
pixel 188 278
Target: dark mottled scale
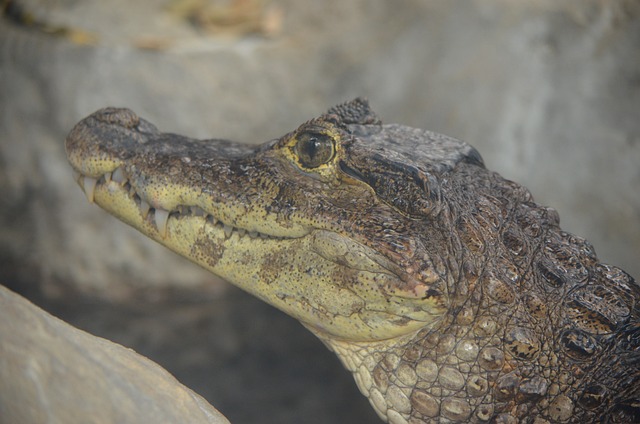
pixel 507 386
pixel 593 396
pixel 543 215
pixel 587 319
pixel 561 263
pixel 620 282
pixel 623 413
pixel 536 307
pixel 574 268
pixel 615 275
pixel 629 342
pixel 550 273
pixel 507 270
pixel 491 358
pixel 533 388
pixel 522 343
pixel 578 344
pixel 511 190
pixel 582 246
pixel 514 242
pixel 471 270
pixel 610 307
pixel 489 214
pixel 530 220
pixel 552 216
pixel 497 289
pixel 470 235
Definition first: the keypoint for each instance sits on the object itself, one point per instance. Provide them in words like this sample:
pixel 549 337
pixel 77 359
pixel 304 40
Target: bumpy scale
pixel 445 289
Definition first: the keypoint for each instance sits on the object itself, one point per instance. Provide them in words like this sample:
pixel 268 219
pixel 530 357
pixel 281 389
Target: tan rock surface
pixel 51 372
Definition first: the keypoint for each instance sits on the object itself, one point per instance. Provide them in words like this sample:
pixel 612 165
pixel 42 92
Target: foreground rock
pixel 54 373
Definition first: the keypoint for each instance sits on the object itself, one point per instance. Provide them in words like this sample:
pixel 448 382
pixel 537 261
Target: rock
pixel 52 372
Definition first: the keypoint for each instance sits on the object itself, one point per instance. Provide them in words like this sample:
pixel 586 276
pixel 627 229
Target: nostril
pixel 119 116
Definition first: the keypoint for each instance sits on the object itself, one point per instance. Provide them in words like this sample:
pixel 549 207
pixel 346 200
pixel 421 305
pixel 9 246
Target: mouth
pixel 117 184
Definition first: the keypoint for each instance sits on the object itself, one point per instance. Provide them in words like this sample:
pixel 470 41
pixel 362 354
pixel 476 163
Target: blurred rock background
pixel 547 90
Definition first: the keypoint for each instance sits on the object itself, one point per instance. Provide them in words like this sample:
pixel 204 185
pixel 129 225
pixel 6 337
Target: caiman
pixel 444 288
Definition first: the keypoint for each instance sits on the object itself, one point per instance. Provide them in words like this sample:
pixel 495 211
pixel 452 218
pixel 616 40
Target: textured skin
pixel 447 291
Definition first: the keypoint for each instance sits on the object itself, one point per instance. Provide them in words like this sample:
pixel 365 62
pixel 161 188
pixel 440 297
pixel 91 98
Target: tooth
pixel 118 176
pixel 161 217
pixel 211 220
pixel 144 208
pixel 107 177
pixel 89 186
pixel 228 229
pixel 241 231
pixel 253 234
pixel 76 176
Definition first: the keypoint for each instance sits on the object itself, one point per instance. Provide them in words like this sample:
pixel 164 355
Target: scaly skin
pixel 449 293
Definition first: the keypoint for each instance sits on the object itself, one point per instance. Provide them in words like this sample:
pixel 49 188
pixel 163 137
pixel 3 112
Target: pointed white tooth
pixel 89 187
pixel 161 217
pixel 228 229
pixel 118 176
pixel 107 177
pixel 242 231
pixel 253 234
pixel 144 208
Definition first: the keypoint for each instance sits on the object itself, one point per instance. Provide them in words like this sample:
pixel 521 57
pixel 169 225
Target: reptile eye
pixel 314 149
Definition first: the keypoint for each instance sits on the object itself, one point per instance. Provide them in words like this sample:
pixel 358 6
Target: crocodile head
pixel 326 223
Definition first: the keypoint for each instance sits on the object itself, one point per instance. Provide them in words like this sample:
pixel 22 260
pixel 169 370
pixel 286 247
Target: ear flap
pixel 405 187
pixel 356 111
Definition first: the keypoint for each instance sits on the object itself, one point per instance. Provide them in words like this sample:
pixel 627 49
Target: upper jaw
pixel 111 137
pixel 159 216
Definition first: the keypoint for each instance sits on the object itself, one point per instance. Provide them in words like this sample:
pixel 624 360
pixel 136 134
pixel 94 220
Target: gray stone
pixel 52 372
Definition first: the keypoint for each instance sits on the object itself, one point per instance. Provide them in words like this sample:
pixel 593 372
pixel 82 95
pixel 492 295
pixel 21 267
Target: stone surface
pixel 52 372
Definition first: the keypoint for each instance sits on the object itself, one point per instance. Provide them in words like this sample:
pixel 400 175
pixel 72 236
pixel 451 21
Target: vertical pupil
pixel 312 147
